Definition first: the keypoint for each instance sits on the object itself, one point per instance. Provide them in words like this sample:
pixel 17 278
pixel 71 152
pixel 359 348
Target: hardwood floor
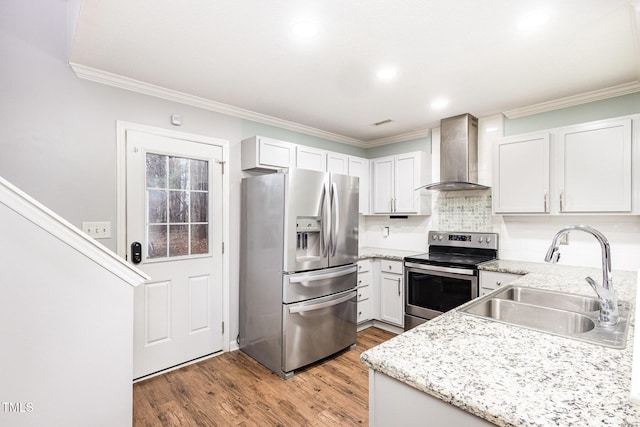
pixel 235 390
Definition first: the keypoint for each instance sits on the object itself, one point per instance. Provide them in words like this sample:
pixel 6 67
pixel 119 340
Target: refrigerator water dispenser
pixel 308 237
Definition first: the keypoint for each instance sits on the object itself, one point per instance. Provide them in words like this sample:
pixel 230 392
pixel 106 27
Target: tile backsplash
pixel 464 211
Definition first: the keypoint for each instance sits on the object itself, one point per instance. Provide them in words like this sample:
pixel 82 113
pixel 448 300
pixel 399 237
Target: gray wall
pixel 58 132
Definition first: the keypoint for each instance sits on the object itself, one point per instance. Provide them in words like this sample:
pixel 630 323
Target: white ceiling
pixel 241 55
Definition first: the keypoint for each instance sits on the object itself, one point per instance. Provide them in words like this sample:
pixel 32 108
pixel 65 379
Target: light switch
pixel 97 230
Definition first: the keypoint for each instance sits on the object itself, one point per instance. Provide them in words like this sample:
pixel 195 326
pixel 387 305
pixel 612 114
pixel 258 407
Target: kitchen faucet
pixel 607 296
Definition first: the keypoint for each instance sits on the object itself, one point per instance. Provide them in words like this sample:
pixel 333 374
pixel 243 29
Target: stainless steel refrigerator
pixel 299 246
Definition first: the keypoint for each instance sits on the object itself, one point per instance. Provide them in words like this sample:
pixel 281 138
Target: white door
pixel 174 210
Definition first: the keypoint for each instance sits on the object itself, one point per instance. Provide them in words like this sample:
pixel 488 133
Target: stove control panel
pixel 464 239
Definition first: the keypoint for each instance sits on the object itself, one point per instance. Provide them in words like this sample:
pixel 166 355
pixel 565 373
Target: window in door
pixel 177 191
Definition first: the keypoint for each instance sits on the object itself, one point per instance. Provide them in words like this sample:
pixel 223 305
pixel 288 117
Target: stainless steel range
pixel 446 276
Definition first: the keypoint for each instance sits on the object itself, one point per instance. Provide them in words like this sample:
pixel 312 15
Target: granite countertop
pixel 513 376
pixel 393 254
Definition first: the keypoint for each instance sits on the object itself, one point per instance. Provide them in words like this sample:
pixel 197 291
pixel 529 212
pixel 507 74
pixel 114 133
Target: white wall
pixel 67 340
pixel 404 234
pixel 58 133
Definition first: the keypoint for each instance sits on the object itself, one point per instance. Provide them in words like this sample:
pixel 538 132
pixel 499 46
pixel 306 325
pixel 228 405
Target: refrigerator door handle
pixel 312 307
pixel 324 235
pixel 316 277
pixel 335 226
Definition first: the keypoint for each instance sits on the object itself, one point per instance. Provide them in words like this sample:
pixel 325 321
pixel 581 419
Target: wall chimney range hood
pixel 458 155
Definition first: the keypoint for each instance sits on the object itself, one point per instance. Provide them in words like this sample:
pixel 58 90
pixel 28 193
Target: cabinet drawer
pixel 395 267
pixel 364 310
pixel 364 279
pixel 364 265
pixel 364 293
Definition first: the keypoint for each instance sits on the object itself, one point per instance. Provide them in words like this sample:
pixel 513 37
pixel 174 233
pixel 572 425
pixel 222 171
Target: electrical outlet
pixel 97 230
pixel 564 239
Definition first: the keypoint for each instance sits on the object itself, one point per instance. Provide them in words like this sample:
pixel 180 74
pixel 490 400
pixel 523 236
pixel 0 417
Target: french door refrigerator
pixel 298 249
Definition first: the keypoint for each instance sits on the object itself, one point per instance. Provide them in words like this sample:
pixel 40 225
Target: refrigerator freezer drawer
pixel 313 330
pixel 314 284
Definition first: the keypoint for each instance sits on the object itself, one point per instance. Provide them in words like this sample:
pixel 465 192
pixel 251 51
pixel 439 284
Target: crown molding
pixel 399 138
pixel 116 80
pixel 570 101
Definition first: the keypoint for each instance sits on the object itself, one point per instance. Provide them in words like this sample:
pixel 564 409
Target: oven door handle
pixel 436 268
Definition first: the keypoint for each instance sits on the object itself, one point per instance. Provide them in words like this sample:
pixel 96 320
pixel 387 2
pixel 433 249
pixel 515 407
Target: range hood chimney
pixel 458 155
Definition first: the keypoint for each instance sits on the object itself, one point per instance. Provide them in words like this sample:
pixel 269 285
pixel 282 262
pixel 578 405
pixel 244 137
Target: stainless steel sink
pixel 566 315
pixel 551 299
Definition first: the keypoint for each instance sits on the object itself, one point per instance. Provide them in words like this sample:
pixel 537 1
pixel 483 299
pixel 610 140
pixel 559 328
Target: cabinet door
pixel 262 153
pixel 595 167
pixel 405 183
pixel 491 280
pixel 337 163
pixel 391 302
pixel 273 152
pixel 311 158
pixel 521 174
pixel 383 184
pixel 360 168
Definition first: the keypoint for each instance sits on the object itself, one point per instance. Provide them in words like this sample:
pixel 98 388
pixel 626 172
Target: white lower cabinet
pixel 392 292
pixel 364 290
pixel 491 280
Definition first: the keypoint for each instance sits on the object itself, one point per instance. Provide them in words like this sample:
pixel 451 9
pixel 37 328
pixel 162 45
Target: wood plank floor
pixel 234 390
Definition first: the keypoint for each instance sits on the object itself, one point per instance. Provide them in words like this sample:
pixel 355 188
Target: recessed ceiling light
pixel 386 74
pixel 533 20
pixel 305 29
pixel 439 103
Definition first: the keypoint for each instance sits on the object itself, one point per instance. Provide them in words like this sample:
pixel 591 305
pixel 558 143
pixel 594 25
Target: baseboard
pixel 381 325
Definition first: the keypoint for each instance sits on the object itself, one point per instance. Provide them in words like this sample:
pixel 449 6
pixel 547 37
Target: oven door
pixel 433 290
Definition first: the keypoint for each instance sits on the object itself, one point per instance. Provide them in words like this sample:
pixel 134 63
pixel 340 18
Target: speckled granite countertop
pixel 394 254
pixel 512 376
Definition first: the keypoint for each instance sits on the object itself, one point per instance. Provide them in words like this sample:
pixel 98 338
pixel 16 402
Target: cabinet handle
pixel 398 286
pixel 561 201
pixel 545 202
pixel 498 283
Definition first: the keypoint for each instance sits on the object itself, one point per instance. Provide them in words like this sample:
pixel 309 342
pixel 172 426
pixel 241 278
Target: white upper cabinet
pixel 394 183
pixel 360 167
pixel 337 163
pixel 579 169
pixel 595 167
pixel 266 154
pixel 383 171
pixel 522 174
pixel 311 158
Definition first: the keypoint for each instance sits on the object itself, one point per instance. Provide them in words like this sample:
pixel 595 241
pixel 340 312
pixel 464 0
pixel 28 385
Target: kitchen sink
pixel 557 313
pixel 551 299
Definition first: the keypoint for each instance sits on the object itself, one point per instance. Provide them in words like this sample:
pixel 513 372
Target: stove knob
pixel 434 237
pixel 440 236
pixel 488 239
pixel 479 239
